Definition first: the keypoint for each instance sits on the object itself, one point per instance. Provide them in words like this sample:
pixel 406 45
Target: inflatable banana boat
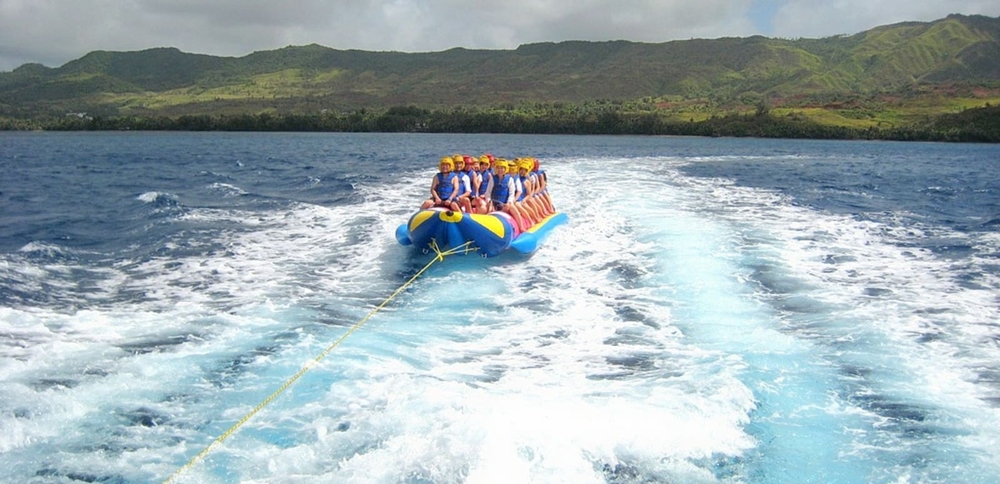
pixel 490 233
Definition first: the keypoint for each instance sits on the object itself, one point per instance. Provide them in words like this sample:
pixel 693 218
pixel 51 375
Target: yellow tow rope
pixel 466 247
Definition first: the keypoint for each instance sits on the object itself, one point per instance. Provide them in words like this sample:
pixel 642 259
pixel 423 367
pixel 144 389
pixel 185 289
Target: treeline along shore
pixel 972 125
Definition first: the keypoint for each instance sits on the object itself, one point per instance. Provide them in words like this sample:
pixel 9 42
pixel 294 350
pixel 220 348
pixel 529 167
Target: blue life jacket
pixel 472 185
pixel 483 183
pixel 461 182
pixel 444 187
pixel 500 190
pixel 524 188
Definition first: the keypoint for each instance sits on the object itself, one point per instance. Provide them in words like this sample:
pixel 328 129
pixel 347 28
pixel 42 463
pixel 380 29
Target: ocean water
pixel 717 310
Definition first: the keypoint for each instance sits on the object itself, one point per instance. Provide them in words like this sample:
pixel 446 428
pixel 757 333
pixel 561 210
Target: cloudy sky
pixel 53 32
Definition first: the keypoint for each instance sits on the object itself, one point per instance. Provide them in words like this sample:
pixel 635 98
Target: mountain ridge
pixel 957 58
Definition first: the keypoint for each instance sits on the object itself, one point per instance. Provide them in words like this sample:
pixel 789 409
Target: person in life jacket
pixel 522 200
pixel 530 183
pixel 444 187
pixel 535 196
pixel 504 193
pixel 464 184
pixel 543 186
pixel 471 169
pixel 484 197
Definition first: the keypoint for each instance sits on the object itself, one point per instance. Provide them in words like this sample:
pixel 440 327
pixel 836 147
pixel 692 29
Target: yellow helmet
pixel 501 163
pixel 446 160
pixel 484 159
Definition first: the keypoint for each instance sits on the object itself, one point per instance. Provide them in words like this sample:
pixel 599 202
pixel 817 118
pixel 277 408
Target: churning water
pixel 717 310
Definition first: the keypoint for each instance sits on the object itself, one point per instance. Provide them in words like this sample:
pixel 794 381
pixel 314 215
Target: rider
pixel 504 193
pixel 524 192
pixel 464 184
pixel 484 196
pixel 444 187
pixel 534 198
pixel 543 187
pixel 471 169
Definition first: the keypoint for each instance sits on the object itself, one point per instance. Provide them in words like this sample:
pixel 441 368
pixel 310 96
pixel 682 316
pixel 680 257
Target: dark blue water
pixel 928 182
pixel 718 310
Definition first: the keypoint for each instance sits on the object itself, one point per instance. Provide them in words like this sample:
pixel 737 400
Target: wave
pixel 227 190
pixel 159 199
pixel 44 250
pixel 991 222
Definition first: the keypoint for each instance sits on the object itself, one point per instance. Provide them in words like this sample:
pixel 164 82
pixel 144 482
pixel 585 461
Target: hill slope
pixel 957 58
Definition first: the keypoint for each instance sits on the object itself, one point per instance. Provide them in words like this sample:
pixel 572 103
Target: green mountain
pixel 885 74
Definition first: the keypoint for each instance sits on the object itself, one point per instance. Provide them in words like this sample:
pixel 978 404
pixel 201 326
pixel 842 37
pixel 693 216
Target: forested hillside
pixel 890 77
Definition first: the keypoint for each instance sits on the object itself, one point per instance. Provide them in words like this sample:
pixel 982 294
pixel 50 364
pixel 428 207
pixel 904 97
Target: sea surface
pixel 717 310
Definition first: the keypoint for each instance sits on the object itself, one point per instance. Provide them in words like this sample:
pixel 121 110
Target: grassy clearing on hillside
pixel 286 84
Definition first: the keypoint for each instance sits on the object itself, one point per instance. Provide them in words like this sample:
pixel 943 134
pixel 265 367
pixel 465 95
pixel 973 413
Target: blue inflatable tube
pixel 490 233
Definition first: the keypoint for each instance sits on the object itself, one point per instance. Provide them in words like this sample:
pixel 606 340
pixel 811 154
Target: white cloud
pixel 53 32
pixel 812 19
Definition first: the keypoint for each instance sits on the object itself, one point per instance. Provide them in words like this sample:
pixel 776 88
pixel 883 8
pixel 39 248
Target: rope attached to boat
pixel 439 256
